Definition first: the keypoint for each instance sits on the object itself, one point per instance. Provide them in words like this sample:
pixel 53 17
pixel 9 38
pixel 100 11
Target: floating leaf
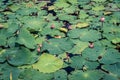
pixel 94 53
pixel 63 29
pixel 57 46
pixel 82 25
pixel 113 69
pixel 99 0
pixel 2 59
pixel 32 74
pixel 84 34
pixel 15 56
pixel 66 17
pixel 48 65
pixel 34 23
pixel 116 40
pixel 87 75
pixel 111 56
pixel 83 14
pixel 60 75
pixel 6 70
pixel 98 8
pixel 25 11
pixel 78 62
pixel 79 47
pixel 25 38
pixel 3 37
pixel 61 4
pixel 74 33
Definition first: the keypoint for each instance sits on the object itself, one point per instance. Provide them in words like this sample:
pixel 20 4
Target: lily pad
pixel 15 56
pixel 87 75
pixel 8 72
pixel 3 37
pixel 79 62
pixel 79 47
pixel 48 65
pixel 60 75
pixel 55 46
pixel 25 38
pixel 84 34
pixel 111 56
pixel 61 4
pixel 113 69
pixel 93 54
pixel 116 40
pixel 82 25
pixel 32 74
pixel 34 23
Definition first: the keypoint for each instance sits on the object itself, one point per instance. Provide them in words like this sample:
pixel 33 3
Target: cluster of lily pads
pixel 60 40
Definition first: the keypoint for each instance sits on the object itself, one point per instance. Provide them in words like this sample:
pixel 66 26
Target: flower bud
pixel 102 19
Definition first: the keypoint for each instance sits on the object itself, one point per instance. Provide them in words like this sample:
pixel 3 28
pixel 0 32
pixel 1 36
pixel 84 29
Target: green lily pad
pixel 48 63
pixel 73 2
pixel 78 62
pixel 104 43
pixel 82 25
pixel 109 77
pixel 7 72
pixel 99 0
pixel 60 75
pixel 33 74
pixel 25 38
pixel 66 17
pixel 25 11
pixel 3 37
pixel 2 59
pixel 79 47
pixel 109 28
pixel 57 46
pixel 18 57
pixel 116 40
pixel 61 4
pixel 113 69
pixel 11 42
pixel 98 8
pixel 74 33
pixel 83 14
pixel 70 10
pixel 111 36
pixel 87 75
pixel 94 53
pixel 15 7
pixel 34 23
pixel 111 56
pixel 84 34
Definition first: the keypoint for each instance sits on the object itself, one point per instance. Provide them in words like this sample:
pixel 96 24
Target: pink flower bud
pixel 52 26
pixel 102 19
pixel 38 49
pixel 91 45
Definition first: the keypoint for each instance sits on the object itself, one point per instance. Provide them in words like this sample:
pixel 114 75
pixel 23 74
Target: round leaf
pixel 48 63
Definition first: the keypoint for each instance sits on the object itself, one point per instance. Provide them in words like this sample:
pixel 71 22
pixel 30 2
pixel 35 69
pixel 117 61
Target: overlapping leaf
pixel 48 63
pixel 57 46
pixel 79 47
pixel 18 57
pixel 32 74
pixel 25 38
pixel 84 34
pixel 87 75
pixel 79 62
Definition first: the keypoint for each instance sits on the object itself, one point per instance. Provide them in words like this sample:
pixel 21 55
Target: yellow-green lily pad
pixel 82 25
pixel 48 63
